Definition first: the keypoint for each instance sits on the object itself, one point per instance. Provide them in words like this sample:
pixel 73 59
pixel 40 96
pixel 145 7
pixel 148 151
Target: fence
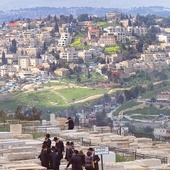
pixel 135 155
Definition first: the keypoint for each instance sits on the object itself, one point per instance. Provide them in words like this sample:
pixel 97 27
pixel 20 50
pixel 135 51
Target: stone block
pixel 21 156
pixel 111 157
pixel 7 144
pixel 16 128
pixel 23 136
pixel 113 166
pixel 6 135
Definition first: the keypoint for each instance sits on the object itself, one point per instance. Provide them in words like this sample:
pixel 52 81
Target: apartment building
pixel 93 35
pixel 70 54
pixel 163 96
pixel 118 32
pixel 34 62
pixel 24 62
pixel 65 39
pixel 114 16
pixel 85 55
pixel 107 39
pixel 164 38
pixel 140 31
pixel 149 57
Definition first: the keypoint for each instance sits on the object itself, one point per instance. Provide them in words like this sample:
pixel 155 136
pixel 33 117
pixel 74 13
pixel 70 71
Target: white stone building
pixel 65 39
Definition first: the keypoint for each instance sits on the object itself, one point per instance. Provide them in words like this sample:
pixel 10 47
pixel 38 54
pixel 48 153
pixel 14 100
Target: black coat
pixel 82 159
pixel 60 147
pixel 55 159
pixel 48 143
pixel 67 154
pixel 76 162
pixel 44 158
pixel 97 159
pixel 70 153
pixel 70 124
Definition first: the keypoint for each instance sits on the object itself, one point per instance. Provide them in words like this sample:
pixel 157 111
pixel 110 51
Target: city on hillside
pixel 109 74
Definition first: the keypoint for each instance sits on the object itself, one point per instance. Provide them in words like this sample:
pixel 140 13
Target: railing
pixel 135 155
pixel 139 135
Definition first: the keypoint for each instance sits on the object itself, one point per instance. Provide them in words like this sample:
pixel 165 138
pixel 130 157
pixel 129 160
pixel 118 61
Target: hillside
pixel 50 97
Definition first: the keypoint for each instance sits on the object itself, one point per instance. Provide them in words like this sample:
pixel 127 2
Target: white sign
pixel 101 150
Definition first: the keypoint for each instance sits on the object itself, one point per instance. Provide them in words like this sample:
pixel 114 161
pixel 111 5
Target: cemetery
pixel 19 151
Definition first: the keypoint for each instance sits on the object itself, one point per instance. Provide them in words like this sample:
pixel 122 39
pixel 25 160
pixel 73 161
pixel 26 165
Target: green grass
pixel 148 111
pixel 120 158
pixel 39 99
pixel 112 50
pixel 143 117
pixel 94 77
pixel 77 42
pixel 79 93
pixel 37 135
pixel 53 84
pixel 104 24
pixel 47 101
pixel 153 93
pixel 126 106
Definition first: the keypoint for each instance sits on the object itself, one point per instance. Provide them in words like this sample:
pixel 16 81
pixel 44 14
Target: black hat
pixel 90 149
pixel 47 135
pixel 71 143
pixel 69 118
pixel 68 143
pixel 76 152
pixel 55 138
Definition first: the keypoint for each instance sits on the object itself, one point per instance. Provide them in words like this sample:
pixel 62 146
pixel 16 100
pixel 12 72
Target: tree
pixel 83 17
pixel 88 74
pixel 57 56
pixel 120 99
pixel 150 86
pixel 44 46
pixel 148 129
pixel 56 27
pixel 85 43
pixel 78 78
pixel 55 18
pixel 70 18
pixel 77 70
pixel 105 18
pixel 3 58
pixel 139 46
pixel 3 24
pixel 129 23
pixel 13 47
pixel 38 55
pixel 18 112
pixel 106 97
pixel 103 70
pixel 3 116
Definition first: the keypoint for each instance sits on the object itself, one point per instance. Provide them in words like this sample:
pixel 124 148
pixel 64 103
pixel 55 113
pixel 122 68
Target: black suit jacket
pixel 60 147
pixel 76 162
pixel 97 159
pixel 48 142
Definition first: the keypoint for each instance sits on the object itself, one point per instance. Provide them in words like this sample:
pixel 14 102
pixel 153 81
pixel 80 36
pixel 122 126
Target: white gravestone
pixel 53 120
pixel 16 129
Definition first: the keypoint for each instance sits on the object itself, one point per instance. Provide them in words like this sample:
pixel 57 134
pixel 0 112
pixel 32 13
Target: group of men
pixel 51 156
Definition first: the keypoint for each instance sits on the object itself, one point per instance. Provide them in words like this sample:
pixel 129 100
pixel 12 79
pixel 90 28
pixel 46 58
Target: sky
pixel 17 4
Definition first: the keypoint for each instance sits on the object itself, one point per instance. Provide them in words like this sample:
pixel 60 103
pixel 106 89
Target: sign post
pixel 101 151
